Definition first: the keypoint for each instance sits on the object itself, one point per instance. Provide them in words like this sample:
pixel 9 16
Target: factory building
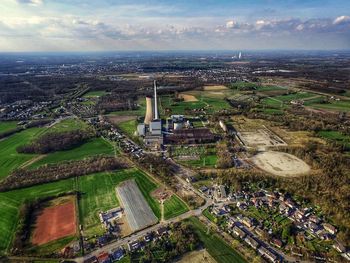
pixel 151 129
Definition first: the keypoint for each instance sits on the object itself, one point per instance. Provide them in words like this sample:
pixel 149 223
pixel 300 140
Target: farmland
pixel 335 136
pixel 95 93
pixel 174 207
pixel 97 193
pixel 217 248
pixel 95 146
pixel 9 158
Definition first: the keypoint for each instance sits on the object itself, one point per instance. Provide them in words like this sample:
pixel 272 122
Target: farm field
pixel 103 197
pixel 174 207
pixel 9 158
pixel 98 193
pixel 7 125
pixel 343 105
pixel 217 248
pixel 95 146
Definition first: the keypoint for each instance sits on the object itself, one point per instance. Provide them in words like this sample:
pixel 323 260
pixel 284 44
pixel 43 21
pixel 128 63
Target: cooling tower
pixel 149 111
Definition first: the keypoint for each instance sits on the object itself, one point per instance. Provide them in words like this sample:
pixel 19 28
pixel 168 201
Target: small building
pixel 162 231
pixel 134 245
pixel 141 129
pixel 251 242
pixel 117 254
pixel 339 247
pixel 104 258
pixel 277 242
pixel 267 254
pixel 238 232
pixel 248 222
pixel 329 228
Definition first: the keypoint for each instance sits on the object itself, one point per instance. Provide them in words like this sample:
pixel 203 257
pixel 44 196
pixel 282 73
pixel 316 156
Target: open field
pixel 198 256
pixel 95 93
pixel 9 158
pixel 335 136
pixel 261 138
pixel 7 125
pixel 215 87
pixel 117 119
pixel 67 125
pixel 343 105
pixel 281 164
pixel 187 97
pixel 217 248
pixel 128 127
pixel 173 207
pixel 138 212
pixel 95 146
pixel 55 222
pixel 97 193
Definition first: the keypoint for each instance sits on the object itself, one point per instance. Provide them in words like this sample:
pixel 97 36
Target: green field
pixel 7 126
pixel 210 105
pixel 98 193
pixel 337 137
pixel 68 125
pixel 174 207
pixel 216 247
pixel 95 146
pixel 95 93
pixel 9 158
pixel 343 105
pixel 203 161
pixel 128 127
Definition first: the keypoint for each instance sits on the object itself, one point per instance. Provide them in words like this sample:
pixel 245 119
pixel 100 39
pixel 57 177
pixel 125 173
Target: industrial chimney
pixel 156 116
pixel 149 110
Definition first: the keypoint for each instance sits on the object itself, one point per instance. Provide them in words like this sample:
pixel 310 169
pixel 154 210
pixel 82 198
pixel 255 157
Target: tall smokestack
pixel 149 111
pixel 156 117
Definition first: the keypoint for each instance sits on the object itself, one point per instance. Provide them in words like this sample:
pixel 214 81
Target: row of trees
pixel 23 178
pixel 56 141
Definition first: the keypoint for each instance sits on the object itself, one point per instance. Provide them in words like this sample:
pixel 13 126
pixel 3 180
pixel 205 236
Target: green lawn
pixel 95 146
pixel 98 193
pixel 9 158
pixel 7 125
pixel 209 215
pixel 68 125
pixel 95 93
pixel 128 127
pixel 343 105
pixel 174 207
pixel 214 244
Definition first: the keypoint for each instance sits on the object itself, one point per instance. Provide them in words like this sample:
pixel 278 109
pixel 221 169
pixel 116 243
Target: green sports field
pixel 173 207
pixel 97 193
pixel 216 247
pixel 95 146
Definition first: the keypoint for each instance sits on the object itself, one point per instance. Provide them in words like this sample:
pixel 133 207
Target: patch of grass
pixel 7 126
pixel 215 246
pixel 203 161
pixel 173 207
pixel 209 215
pixel 128 127
pixel 343 105
pixel 95 93
pixel 68 125
pixel 9 158
pixel 52 246
pixel 95 146
pixel 337 137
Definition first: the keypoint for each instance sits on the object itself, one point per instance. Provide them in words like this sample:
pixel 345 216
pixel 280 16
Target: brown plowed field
pixel 55 222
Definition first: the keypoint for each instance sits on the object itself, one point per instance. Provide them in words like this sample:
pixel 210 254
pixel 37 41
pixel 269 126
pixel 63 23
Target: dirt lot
pixel 261 138
pixel 215 88
pixel 55 222
pixel 118 119
pixel 197 257
pixel 281 164
pixel 161 193
pixel 187 97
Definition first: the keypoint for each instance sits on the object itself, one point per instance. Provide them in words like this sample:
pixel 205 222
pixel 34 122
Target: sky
pixel 112 25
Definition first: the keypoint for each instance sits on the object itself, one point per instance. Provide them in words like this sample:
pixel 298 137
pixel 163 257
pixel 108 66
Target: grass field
pixel 9 158
pixel 337 137
pixel 95 93
pixel 203 161
pixel 98 193
pixel 68 125
pixel 7 125
pixel 343 105
pixel 174 206
pixel 95 146
pixel 217 248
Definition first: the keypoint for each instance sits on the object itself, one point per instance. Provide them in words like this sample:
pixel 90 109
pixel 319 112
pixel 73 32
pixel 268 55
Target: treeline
pixel 27 218
pixel 23 178
pixel 56 141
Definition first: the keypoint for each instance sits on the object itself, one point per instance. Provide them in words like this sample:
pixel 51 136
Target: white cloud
pixel 341 20
pixel 230 24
